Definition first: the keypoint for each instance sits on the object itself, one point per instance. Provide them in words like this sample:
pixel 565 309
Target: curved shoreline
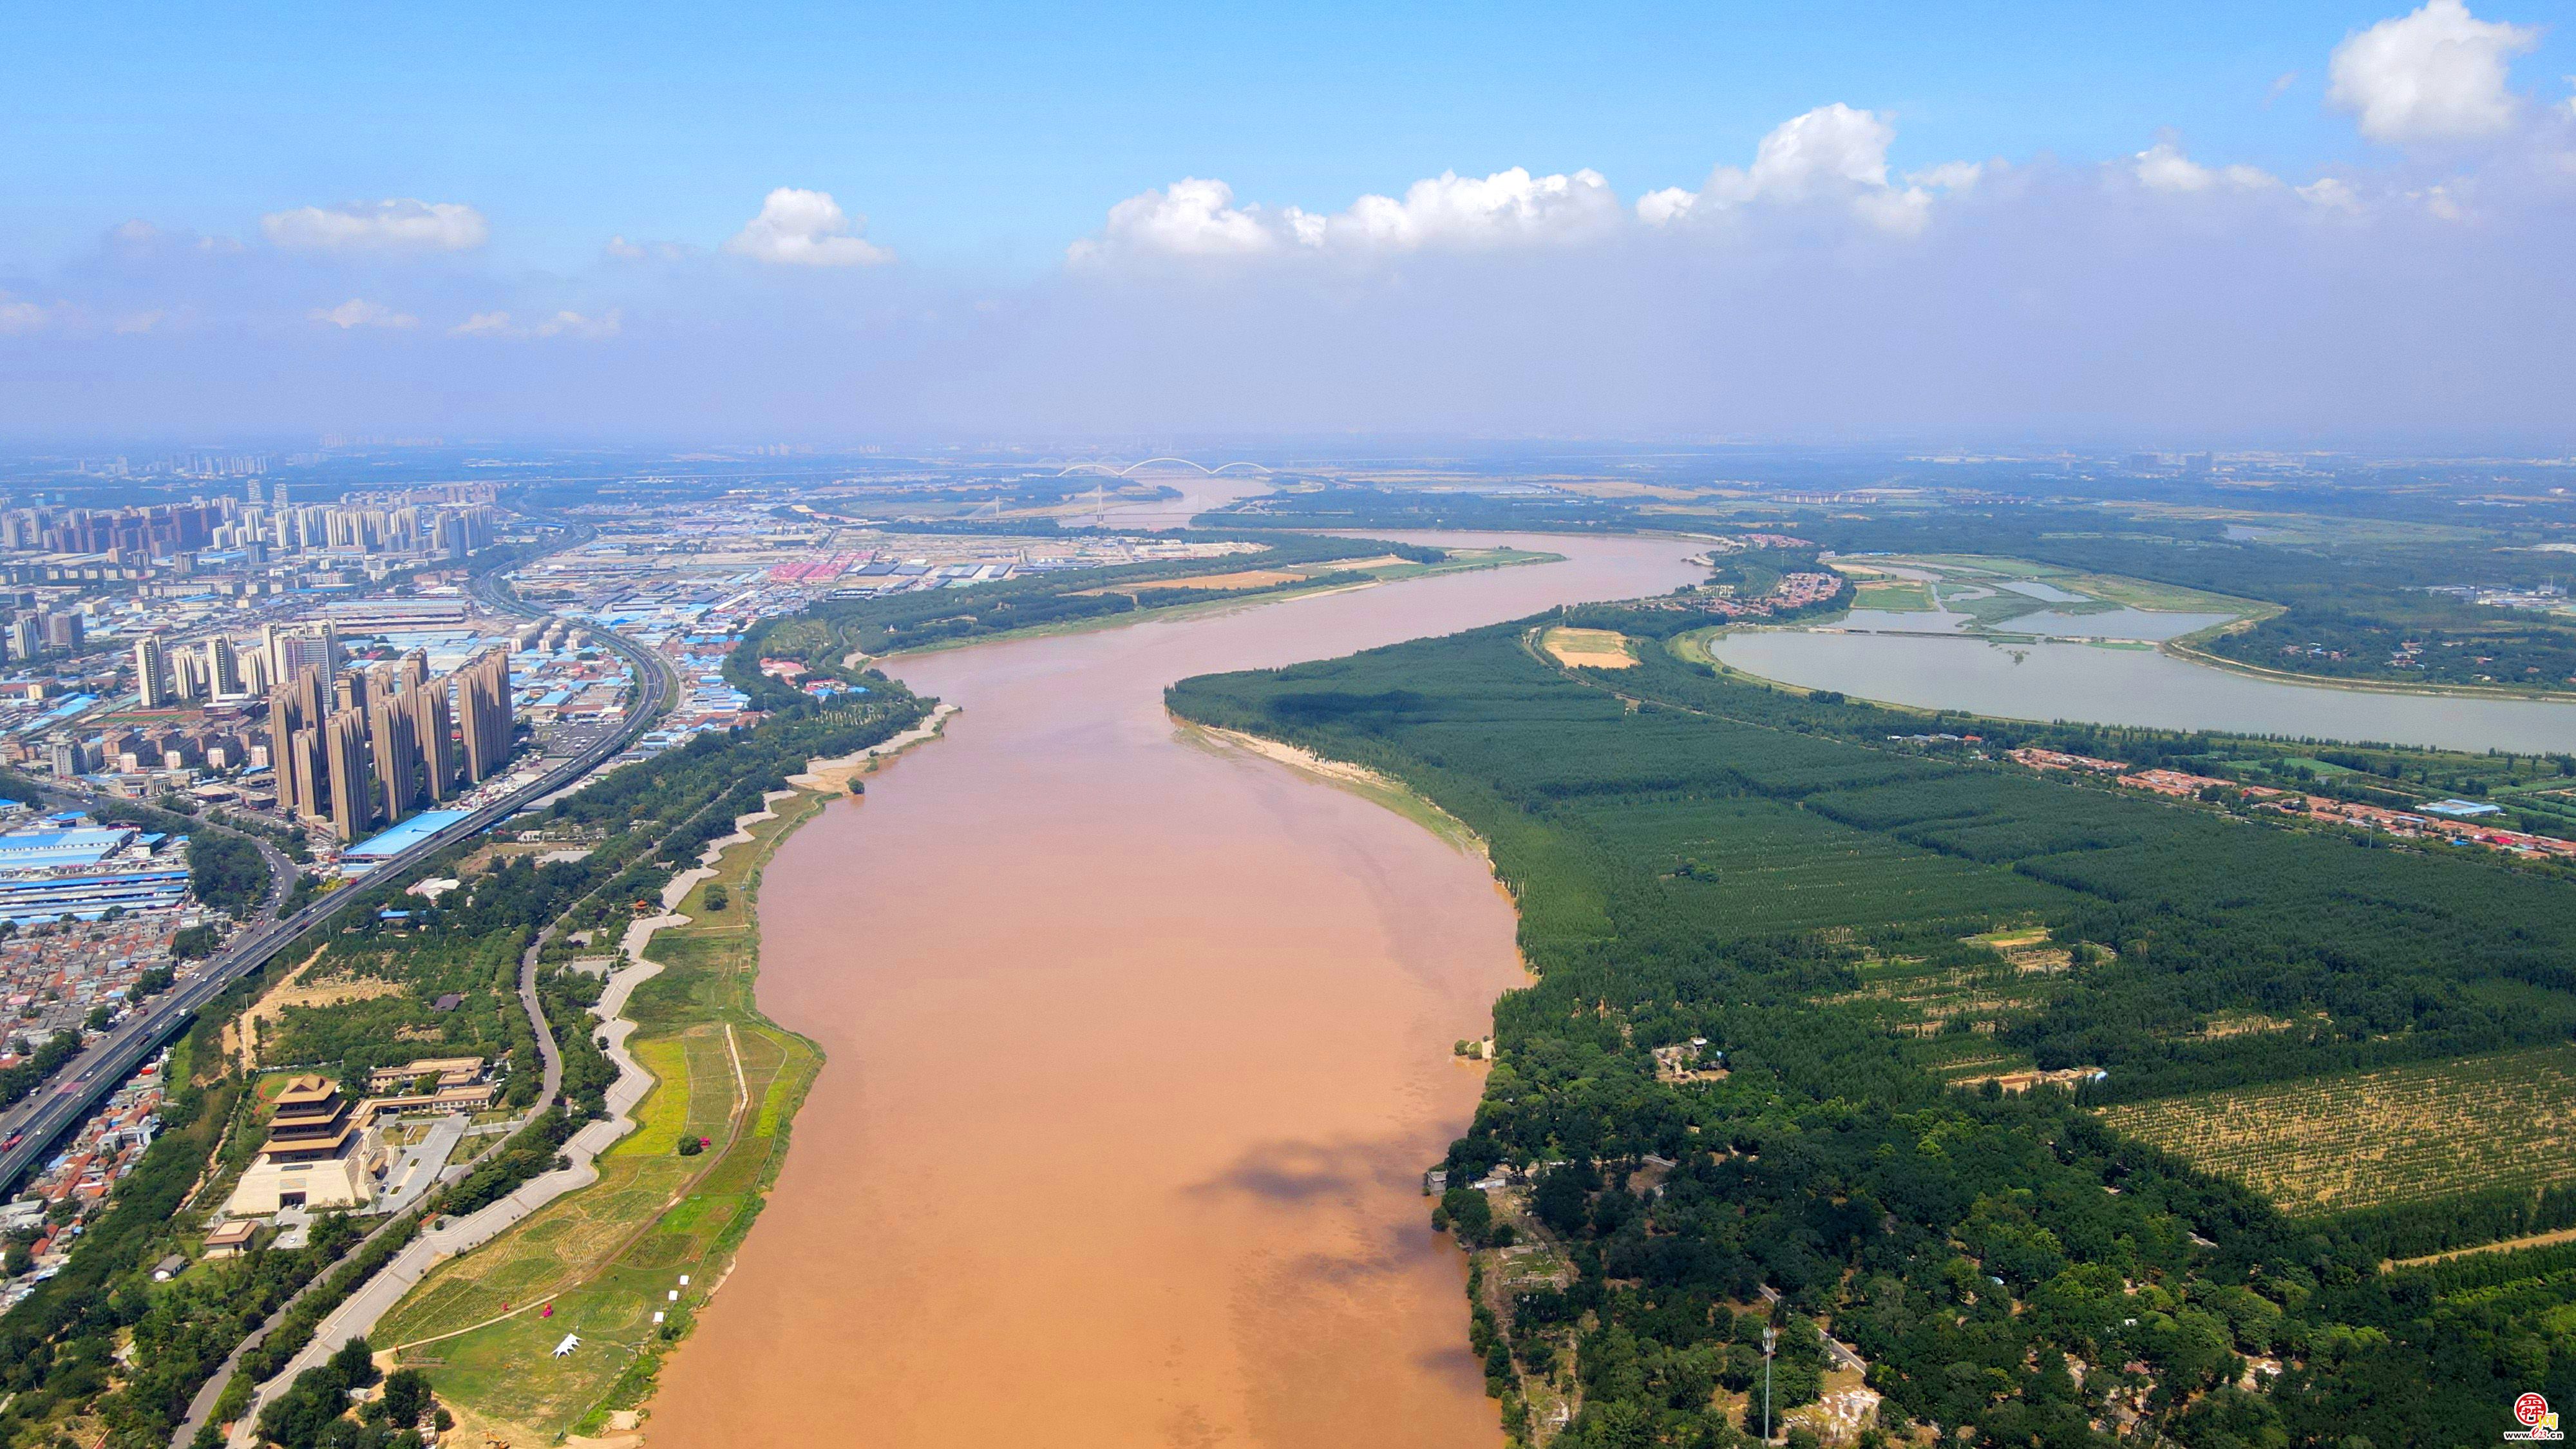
pixel 1230 996
pixel 383 1293
pixel 2314 686
pixel 371 1301
pixel 2181 649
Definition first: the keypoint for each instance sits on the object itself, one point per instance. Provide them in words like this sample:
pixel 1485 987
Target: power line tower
pixel 1770 1343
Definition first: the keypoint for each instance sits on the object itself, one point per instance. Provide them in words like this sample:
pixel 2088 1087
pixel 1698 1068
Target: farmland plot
pixel 2405 1134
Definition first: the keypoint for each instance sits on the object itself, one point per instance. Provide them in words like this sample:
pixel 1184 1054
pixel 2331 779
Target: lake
pixel 2105 684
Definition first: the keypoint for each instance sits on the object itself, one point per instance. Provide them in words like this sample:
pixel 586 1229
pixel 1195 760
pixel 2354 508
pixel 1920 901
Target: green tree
pixel 407 1397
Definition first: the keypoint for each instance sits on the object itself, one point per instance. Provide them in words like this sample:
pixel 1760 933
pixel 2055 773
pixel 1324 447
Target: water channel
pixel 1137 1048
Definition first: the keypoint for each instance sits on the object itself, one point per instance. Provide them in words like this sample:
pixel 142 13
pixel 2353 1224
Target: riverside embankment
pixel 1135 1051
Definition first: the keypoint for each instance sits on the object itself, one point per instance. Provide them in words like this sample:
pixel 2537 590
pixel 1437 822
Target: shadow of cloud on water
pixel 1290 1172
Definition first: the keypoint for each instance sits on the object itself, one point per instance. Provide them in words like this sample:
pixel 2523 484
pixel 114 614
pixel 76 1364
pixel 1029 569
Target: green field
pixel 2366 1139
pixel 1895 596
pixel 1966 574
pixel 607 1257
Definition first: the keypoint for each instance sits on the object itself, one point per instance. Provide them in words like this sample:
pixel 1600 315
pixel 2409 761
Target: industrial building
pixel 85 871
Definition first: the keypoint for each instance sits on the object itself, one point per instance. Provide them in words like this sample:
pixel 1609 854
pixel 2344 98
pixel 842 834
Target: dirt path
pixel 290 991
pixel 2535 1240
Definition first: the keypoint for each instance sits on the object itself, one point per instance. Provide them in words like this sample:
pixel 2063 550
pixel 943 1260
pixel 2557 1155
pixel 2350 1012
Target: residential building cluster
pixel 69 1188
pixel 356 748
pixel 55 976
pixel 45 543
pixel 35 631
pixel 2540 597
pixel 2428 823
pixel 1793 592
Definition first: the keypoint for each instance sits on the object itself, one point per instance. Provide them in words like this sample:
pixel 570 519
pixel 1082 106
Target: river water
pixel 2135 685
pixel 1137 1048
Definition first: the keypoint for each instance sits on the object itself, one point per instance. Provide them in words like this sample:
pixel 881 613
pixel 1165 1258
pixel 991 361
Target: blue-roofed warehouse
pixel 90 894
pixel 402 837
pixel 55 849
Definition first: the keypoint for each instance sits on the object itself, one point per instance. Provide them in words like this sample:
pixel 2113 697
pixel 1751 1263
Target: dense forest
pixel 1712 871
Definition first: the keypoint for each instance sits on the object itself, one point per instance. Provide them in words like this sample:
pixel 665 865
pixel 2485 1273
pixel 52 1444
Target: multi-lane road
pixel 31 1128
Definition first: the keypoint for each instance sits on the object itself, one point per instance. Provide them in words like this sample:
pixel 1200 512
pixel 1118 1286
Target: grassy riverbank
pixel 1172 604
pixel 2189 647
pixel 605 1259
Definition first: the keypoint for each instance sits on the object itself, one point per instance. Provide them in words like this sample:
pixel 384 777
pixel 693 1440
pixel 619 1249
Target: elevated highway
pixel 31 1128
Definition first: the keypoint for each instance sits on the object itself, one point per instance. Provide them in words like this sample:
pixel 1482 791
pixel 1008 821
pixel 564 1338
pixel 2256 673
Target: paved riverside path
pixel 377 1296
pixel 399 1205
pixel 373 1299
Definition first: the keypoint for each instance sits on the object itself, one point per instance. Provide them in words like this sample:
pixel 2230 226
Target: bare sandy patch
pixel 293 990
pixel 1341 771
pixel 1589 648
pixel 1239 579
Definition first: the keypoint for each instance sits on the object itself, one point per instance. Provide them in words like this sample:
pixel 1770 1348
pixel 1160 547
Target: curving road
pixel 53 1109
pixel 659 682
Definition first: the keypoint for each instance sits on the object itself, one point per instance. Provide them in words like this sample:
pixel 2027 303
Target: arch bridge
pixel 1129 469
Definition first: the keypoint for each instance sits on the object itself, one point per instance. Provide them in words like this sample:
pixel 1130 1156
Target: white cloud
pixel 2163 167
pixel 18 318
pixel 619 249
pixel 1198 217
pixel 357 313
pixel 1833 155
pixel 137 238
pixel 2331 194
pixel 1668 204
pixel 1506 208
pixel 1829 147
pixel 396 225
pixel 573 324
pixel 2439 203
pixel 1194 217
pixel 134 324
pixel 1949 175
pixel 561 324
pixel 2435 75
pixel 806 229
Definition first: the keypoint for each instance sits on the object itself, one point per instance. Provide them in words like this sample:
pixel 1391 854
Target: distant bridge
pixel 1116 472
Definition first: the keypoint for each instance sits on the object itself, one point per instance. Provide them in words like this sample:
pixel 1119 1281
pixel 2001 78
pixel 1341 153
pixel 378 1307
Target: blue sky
pixel 994 135
pixel 2193 222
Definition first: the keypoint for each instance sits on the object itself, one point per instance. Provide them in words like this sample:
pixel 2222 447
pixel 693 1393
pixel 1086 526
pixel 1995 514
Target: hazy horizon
pixel 2326 226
